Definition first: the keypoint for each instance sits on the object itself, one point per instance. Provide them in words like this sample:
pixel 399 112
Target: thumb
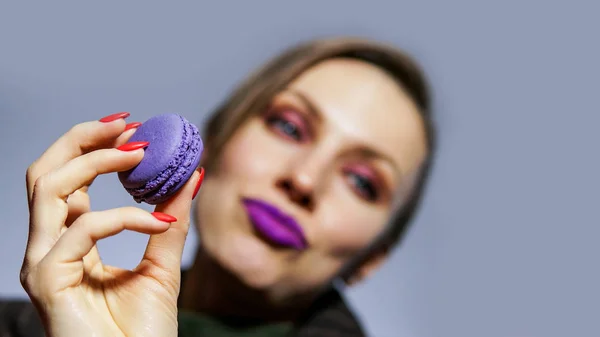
pixel 164 250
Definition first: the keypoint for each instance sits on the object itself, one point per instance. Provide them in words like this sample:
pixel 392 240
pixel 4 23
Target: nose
pixel 303 180
pixel 299 189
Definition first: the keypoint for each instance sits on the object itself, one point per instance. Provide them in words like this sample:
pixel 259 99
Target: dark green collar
pixel 328 316
pixel 196 325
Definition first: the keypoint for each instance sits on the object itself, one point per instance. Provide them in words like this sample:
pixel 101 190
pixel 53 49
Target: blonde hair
pixel 255 93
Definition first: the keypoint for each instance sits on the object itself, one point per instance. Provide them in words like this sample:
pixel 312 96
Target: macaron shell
pixel 183 178
pixel 164 133
pixel 191 149
pixel 158 184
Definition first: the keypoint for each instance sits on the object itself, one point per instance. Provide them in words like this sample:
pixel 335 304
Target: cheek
pixel 238 167
pixel 248 154
pixel 342 230
pixel 345 233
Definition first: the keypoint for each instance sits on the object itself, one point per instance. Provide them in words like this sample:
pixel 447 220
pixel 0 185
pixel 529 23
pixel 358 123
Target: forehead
pixel 362 103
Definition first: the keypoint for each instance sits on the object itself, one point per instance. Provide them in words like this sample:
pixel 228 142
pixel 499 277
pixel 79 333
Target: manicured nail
pixel 133 146
pixel 133 125
pixel 114 117
pixel 199 182
pixel 164 217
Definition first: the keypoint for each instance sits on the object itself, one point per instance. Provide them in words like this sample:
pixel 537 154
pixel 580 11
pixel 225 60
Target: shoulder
pixel 19 318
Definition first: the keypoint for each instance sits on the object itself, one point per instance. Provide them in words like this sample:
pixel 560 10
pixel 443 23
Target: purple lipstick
pixel 273 224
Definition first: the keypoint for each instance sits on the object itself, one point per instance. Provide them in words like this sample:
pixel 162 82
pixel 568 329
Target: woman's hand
pixel 75 293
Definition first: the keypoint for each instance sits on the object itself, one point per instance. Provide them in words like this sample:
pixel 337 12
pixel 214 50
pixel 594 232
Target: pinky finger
pixel 80 238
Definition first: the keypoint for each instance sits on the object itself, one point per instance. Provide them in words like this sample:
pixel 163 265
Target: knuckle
pixel 96 159
pixel 77 130
pixel 91 162
pixel 128 210
pixel 132 214
pixel 85 219
pixel 31 173
pixel 78 134
pixel 78 202
pixel 41 184
pixel 87 223
pixel 23 277
pixel 28 280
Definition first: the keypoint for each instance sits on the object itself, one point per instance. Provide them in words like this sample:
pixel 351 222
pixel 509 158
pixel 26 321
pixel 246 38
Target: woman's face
pixel 302 187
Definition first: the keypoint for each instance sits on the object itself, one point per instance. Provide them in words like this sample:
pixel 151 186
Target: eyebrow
pixel 316 112
pixel 313 109
pixel 370 153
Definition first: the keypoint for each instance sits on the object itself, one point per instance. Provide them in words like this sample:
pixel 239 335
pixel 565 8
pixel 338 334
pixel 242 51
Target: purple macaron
pixel 169 160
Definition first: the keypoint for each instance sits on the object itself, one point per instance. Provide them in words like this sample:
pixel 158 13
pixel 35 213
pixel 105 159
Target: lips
pixel 274 225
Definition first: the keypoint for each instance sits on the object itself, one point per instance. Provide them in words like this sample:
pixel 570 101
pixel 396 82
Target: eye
pixel 287 124
pixel 364 186
pixel 286 127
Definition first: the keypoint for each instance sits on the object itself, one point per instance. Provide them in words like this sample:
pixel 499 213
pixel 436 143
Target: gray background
pixel 506 242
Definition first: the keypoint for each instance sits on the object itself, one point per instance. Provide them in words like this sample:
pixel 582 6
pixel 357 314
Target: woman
pixel 313 168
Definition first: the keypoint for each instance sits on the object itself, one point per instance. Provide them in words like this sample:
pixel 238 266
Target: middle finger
pixel 81 139
pixel 49 210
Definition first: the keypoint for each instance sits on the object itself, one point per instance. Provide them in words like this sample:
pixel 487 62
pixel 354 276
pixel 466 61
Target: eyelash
pixel 363 186
pixel 286 127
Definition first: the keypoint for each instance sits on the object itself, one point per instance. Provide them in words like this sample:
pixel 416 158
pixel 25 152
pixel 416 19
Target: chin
pixel 249 259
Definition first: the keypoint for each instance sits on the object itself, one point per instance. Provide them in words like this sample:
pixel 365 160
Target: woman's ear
pixel 367 268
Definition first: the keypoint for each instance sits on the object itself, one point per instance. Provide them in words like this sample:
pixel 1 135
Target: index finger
pixel 80 139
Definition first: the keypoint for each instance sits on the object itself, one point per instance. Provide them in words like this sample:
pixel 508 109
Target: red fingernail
pixel 199 182
pixel 114 117
pixel 164 217
pixel 133 146
pixel 133 125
